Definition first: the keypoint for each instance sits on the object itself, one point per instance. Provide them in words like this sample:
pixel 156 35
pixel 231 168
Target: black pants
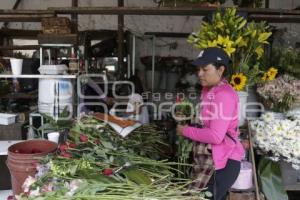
pixel 223 179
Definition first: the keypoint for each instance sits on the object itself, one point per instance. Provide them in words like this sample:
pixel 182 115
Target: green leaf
pixel 270 180
pixel 137 176
pixel 73 169
pixel 107 145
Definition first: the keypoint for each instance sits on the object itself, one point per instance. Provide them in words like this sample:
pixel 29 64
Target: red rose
pixel 66 155
pixel 178 99
pixel 63 147
pixel 97 142
pixel 107 172
pixel 72 145
pixel 10 197
pixel 84 138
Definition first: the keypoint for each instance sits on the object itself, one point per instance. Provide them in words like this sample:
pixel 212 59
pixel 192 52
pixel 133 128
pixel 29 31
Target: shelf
pixel 19 96
pixel 57 40
pixel 37 76
pixel 200 11
pixel 295 187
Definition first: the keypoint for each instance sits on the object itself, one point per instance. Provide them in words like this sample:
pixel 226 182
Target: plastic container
pixel 22 158
pixel 245 178
pixel 53 69
pixel 53 137
pixel 55 95
pixel 242 107
pixel 6 119
pixel 16 66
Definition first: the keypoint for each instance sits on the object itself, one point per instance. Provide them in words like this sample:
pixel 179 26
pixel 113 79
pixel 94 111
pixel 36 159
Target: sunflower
pixel 270 74
pixel 265 77
pixel 238 81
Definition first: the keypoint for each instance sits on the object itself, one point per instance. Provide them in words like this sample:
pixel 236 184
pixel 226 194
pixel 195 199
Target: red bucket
pixel 22 158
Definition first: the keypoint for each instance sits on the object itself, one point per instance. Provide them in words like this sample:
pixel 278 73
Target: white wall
pixel 138 24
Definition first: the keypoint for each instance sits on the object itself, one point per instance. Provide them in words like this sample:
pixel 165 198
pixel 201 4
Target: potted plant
pixel 243 41
pixel 60 124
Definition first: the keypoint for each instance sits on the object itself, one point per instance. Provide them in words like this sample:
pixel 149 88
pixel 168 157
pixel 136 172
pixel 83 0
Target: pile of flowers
pixel 244 43
pixel 278 138
pixel 279 94
pixel 96 163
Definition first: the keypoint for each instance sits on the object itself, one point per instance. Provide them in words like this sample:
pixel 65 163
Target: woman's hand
pixel 179 129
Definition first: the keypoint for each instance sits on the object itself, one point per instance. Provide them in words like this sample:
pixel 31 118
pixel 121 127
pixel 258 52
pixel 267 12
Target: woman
pixel 218 152
pixel 135 106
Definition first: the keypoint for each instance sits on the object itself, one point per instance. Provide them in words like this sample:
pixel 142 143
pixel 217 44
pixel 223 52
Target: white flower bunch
pixel 279 138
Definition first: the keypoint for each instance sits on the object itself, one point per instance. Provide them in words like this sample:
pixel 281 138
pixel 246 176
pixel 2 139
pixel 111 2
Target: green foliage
pixel 185 107
pixel 20 55
pixel 287 60
pixel 56 124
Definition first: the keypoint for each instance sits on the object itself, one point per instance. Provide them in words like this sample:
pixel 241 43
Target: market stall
pixel 98 109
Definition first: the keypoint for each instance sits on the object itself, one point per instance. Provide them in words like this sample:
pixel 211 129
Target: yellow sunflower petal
pixel 238 81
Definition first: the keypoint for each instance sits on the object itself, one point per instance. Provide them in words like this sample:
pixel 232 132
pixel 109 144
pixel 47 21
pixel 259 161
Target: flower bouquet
pixel 244 42
pixel 278 138
pixel 279 94
pixel 184 111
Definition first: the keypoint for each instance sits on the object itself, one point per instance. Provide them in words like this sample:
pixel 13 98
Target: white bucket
pixel 54 96
pixel 16 66
pixel 245 179
pixel 242 107
pixel 53 136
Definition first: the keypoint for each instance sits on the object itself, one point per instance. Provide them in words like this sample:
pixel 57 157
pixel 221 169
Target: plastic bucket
pixel 22 158
pixel 242 107
pixel 54 96
pixel 245 179
pixel 16 66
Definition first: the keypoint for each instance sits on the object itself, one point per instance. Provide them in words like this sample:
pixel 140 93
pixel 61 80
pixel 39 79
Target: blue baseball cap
pixel 212 55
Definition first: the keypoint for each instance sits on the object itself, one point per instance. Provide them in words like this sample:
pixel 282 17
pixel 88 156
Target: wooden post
pixel 267 3
pixel 121 39
pixel 74 17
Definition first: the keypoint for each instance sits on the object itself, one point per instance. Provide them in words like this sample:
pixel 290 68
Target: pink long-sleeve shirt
pixel 219 113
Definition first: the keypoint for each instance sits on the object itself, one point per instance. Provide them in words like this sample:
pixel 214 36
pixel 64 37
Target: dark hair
pixel 226 68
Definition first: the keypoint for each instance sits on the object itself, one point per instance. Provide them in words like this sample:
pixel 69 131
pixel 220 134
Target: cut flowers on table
pixel 96 163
